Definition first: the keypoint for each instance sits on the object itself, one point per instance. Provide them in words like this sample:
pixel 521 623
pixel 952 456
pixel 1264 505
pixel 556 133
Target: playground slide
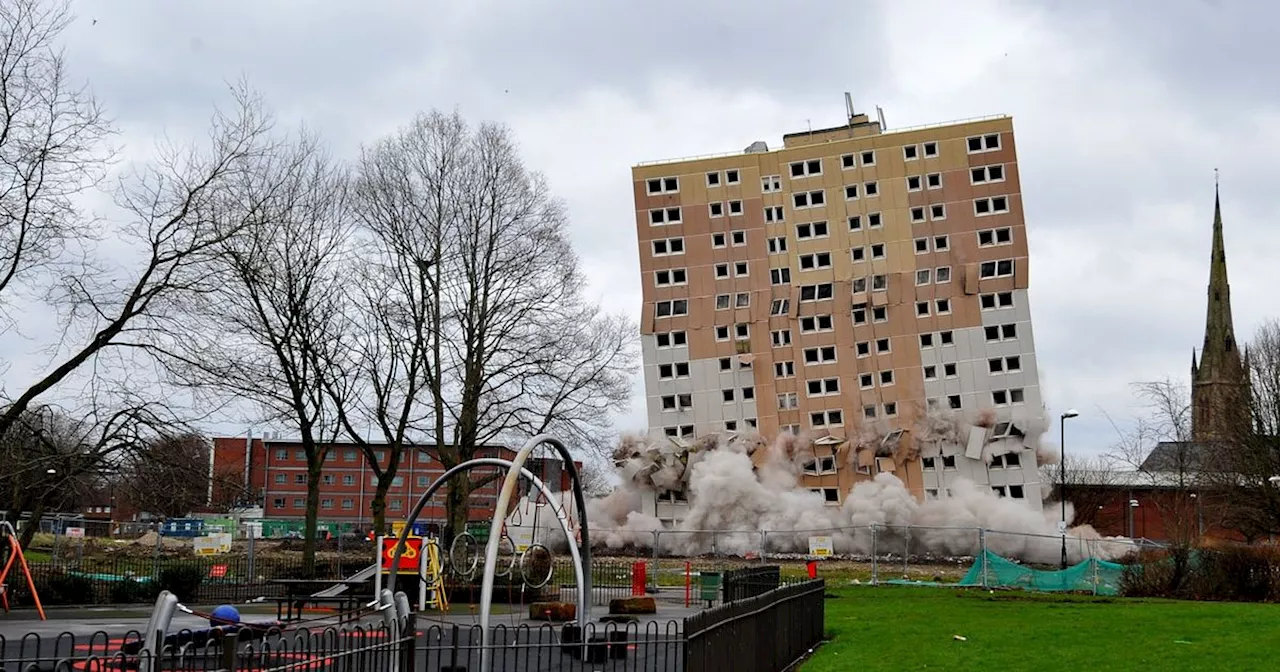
pixel 338 589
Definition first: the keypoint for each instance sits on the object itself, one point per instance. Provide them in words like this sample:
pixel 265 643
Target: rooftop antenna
pixel 848 106
pixel 880 114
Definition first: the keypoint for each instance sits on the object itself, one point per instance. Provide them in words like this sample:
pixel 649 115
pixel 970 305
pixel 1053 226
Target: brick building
pixel 272 473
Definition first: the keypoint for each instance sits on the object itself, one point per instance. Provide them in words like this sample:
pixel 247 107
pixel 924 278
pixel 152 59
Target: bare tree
pixel 262 333
pixel 166 475
pixel 487 294
pixel 1091 484
pixel 54 259
pixel 1242 467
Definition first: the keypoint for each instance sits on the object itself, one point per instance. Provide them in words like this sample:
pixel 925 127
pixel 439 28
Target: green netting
pixel 1092 575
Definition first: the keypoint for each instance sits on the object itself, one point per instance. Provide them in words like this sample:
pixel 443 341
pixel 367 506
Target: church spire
pixel 1217 379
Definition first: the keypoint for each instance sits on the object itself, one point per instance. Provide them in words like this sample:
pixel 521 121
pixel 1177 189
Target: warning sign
pixel 408 559
pixel 820 547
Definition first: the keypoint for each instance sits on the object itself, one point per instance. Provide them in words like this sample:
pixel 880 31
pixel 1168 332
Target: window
pixel 715 209
pixel 933 180
pixel 996 269
pixel 299 478
pixel 664 216
pixel 811 230
pixel 923 276
pixel 780 338
pixel 779 276
pixel 1015 491
pixel 942 306
pixel 784 369
pixel 674 308
pixel 731 176
pixel 722 333
pixel 913 183
pixel 946 338
pixel 348 479
pixel 858 254
pixel 879 283
pixel 676 370
pixel 992 237
pixel 298 503
pixel 727 396
pixel 871 189
pixel 949 370
pixel 922 308
pixel 742 300
pixel 808 199
pixel 348 456
pixel 326 503
pixel 941 243
pixel 917 215
pixel 874 221
pixel 722 271
pixel 926 340
pixel 815 323
pixel 664 185
pixel 877 251
pixel 823 387
pixel 882 345
pixel 770 183
pixel 984 174
pixel 953 402
pixel 738 238
pixel 717 240
pixel 869 411
pixel 740 269
pixel 806 168
pixel 780 307
pixel 869 158
pixel 327 479
pixel 713 179
pixel 855 223
pixel 862 348
pixel 826 418
pixel 671 339
pixel 1002 332
pixel 910 152
pixel 735 207
pixel 851 192
pixel 819 292
pixel 860 310
pixel 938 212
pixel 942 274
pixel 984 143
pixel 879 314
pixel 930 149
pixel 997 300
pixel 743 330
pixel 1004 364
pixel 773 213
pixel 424 481
pixel 777 245
pixel 816 260
pixel 672 402
pixel 928 464
pixel 280 478
pixel 922 245
pixel 787 401
pixel 866 381
pixel 847 161
pixel 730 425
pixel 886 377
pixel 931 372
pixel 891 409
pixel 990 206
pixel 821 355
pixel 674 276
pixel 668 246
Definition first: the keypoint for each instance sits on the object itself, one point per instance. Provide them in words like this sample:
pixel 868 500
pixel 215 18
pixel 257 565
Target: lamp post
pixel 1062 477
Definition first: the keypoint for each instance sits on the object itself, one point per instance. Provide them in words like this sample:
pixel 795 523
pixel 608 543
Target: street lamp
pixel 1062 476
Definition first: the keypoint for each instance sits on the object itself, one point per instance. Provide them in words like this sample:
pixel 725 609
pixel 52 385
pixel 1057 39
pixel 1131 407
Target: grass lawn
pixel 914 628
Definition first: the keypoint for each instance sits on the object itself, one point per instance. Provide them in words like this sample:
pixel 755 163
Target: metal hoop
pixel 524 566
pixel 458 567
pixel 515 557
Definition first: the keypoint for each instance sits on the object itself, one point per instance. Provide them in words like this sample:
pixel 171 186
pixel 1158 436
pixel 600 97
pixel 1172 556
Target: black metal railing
pixel 766 633
pixel 747 582
pixel 353 648
pixel 655 646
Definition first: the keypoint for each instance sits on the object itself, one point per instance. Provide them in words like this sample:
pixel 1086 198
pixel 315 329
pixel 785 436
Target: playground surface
pixel 914 627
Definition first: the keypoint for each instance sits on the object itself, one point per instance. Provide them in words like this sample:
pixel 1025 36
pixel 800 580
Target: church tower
pixel 1219 382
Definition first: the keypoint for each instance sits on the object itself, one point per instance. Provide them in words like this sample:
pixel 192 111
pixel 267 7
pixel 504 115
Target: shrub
pixel 182 580
pixel 67 589
pixel 1238 573
pixel 129 591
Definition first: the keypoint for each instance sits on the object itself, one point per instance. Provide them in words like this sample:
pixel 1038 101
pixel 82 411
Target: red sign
pixel 218 572
pixel 408 557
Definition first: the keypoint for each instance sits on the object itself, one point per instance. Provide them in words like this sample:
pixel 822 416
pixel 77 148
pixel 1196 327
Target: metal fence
pixel 748 582
pixel 349 648
pixel 766 633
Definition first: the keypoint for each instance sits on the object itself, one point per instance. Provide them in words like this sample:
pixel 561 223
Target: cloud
pixel 1122 111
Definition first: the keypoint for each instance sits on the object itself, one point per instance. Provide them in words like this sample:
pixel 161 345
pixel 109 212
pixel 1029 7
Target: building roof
pixel 1175 456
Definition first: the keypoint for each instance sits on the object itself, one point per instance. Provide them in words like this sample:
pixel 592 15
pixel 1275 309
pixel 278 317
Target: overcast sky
pixel 1122 111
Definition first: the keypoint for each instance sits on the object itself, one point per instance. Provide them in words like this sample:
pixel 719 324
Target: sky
pixel 1123 111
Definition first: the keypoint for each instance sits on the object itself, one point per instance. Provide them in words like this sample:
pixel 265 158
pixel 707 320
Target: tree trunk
pixel 29 532
pixel 315 464
pixel 379 505
pixel 457 507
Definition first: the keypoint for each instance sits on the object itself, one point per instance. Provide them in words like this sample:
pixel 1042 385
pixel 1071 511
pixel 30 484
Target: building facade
pixel 855 283
pixel 272 473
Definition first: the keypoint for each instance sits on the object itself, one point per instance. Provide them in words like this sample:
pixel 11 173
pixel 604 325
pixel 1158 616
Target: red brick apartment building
pixel 272 473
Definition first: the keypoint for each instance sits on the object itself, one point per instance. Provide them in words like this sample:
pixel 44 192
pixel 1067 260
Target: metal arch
pixel 491 549
pixel 579 562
